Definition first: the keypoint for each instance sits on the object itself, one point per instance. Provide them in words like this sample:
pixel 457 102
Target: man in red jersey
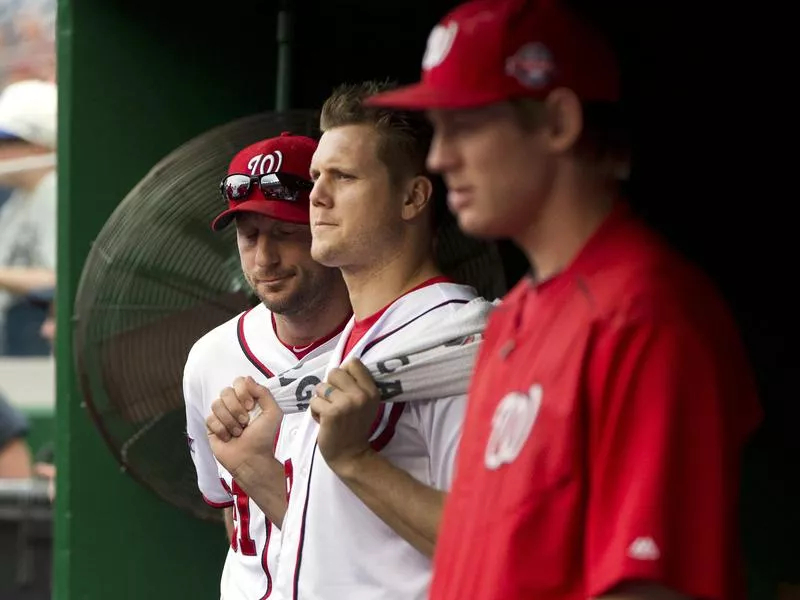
pixel 600 456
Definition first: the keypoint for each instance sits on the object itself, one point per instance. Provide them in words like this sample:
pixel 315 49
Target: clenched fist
pixel 235 440
pixel 345 406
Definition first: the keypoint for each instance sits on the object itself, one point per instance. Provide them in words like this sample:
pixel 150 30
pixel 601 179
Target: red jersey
pixel 602 441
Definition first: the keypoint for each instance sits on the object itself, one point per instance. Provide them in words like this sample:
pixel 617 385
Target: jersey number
pixel 241 540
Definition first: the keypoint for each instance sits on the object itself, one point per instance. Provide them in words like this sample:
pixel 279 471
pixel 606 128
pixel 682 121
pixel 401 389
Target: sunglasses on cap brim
pixel 274 186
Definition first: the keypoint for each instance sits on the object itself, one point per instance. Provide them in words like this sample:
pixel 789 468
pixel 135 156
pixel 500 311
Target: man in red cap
pixel 303 308
pixel 600 456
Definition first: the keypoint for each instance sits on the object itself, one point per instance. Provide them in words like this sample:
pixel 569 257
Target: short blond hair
pixel 405 136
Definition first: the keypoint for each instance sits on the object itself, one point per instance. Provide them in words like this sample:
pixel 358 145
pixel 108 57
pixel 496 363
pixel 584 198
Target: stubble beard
pixel 308 298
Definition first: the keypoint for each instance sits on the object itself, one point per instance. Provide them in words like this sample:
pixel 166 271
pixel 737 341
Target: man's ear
pixel 563 120
pixel 417 197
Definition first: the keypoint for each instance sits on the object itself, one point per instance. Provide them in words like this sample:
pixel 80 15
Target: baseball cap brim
pixel 291 212
pixel 8 135
pixel 421 96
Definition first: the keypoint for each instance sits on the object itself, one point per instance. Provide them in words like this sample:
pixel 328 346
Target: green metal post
pixel 132 87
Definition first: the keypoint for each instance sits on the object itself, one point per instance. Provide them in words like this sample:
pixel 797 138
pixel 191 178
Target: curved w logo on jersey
pixel 512 424
pixel 263 164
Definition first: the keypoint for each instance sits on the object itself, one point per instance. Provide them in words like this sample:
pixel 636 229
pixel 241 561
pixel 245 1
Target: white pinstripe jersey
pixel 245 345
pixel 333 546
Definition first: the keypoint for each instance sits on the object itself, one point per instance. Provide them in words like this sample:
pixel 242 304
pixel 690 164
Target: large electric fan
pixel 157 278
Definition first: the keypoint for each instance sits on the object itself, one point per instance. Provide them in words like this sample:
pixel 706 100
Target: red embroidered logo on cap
pixel 532 66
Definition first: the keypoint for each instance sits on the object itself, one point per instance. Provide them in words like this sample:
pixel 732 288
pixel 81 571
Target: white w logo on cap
pixel 439 43
pixel 263 164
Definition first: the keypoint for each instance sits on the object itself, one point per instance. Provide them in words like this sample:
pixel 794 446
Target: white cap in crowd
pixel 28 112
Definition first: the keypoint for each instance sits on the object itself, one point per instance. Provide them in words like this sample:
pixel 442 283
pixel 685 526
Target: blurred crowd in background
pixel 27 206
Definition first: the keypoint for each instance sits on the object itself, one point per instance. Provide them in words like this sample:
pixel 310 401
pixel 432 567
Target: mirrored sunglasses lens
pixel 272 187
pixel 279 192
pixel 237 187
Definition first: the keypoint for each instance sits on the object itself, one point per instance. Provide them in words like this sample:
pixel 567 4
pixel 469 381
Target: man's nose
pixel 320 193
pixel 441 157
pixel 267 253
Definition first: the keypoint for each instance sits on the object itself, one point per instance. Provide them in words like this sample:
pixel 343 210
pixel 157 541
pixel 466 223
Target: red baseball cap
pixel 489 51
pixel 287 154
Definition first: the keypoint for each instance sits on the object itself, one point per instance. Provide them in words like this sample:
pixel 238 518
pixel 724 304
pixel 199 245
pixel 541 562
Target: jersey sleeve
pixel 208 480
pixel 670 408
pixel 441 421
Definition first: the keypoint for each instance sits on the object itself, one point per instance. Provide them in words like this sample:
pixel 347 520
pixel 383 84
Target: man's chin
pixel 478 228
pixel 274 293
pixel 285 302
pixel 325 256
pixel 279 304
